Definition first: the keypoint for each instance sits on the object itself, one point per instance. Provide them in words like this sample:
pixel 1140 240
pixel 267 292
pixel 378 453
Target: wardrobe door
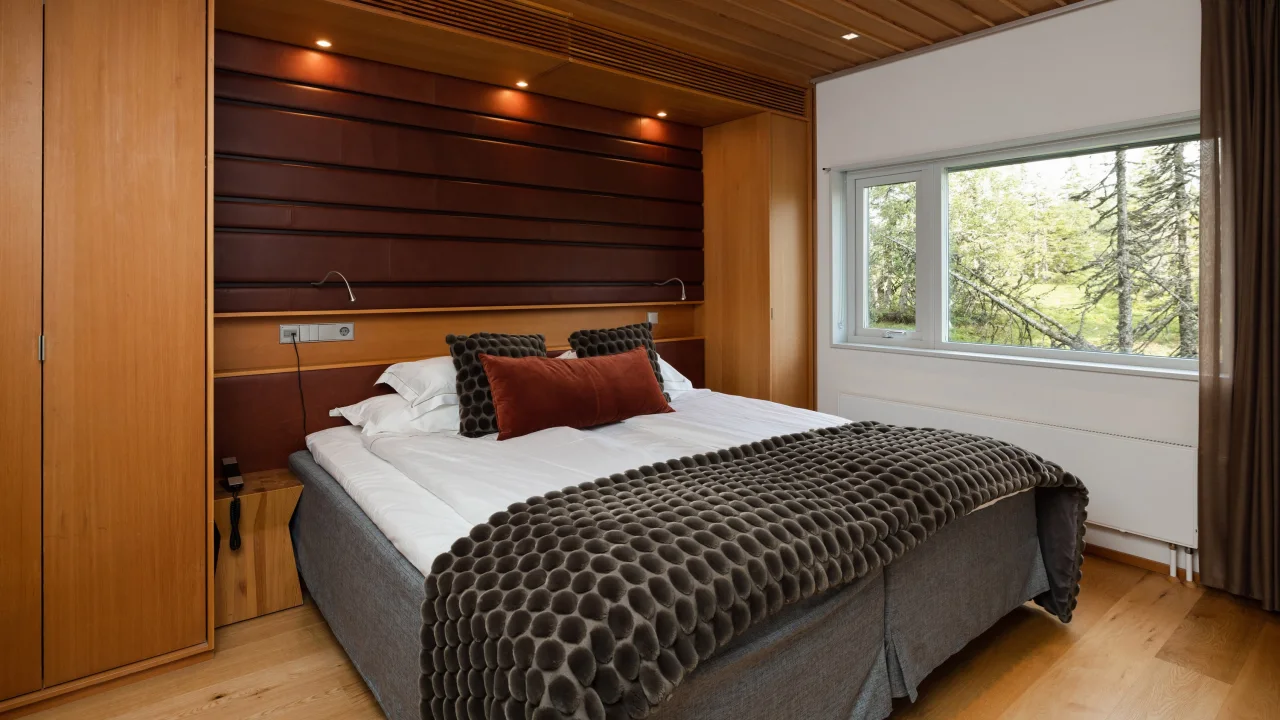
pixel 125 522
pixel 20 110
pixel 790 291
pixel 736 205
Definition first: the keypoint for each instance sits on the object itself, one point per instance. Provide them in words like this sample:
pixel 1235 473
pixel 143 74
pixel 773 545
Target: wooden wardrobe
pixel 104 367
pixel 759 258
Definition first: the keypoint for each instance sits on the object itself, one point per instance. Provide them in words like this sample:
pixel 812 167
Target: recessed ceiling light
pixel 324 43
pixel 521 83
pixel 662 113
pixel 850 36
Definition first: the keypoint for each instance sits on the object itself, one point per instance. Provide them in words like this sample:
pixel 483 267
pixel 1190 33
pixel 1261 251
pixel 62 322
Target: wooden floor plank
pixel 987 676
pixel 271 653
pixel 1256 692
pixel 1091 678
pixel 305 687
pixel 1215 637
pixel 1167 691
pixel 268 626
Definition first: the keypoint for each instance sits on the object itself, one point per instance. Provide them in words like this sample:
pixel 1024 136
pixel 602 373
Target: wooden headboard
pixel 450 205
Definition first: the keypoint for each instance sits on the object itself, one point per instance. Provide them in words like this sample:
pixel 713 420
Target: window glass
pixel 891 256
pixel 1096 251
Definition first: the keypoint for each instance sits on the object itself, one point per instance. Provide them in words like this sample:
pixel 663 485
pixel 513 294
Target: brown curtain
pixel 1240 298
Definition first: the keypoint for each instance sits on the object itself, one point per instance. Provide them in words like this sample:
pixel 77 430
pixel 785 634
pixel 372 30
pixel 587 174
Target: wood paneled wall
pixel 430 191
pixel 21 100
pixel 125 479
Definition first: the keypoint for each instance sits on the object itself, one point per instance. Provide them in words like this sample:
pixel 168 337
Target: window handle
pixel 895 334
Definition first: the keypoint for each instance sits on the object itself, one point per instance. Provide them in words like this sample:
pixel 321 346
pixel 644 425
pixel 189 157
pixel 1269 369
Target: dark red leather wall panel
pixel 431 191
pixel 271 216
pixel 253 56
pixel 257 419
pixel 260 257
pixel 254 89
pixel 297 182
pixel 282 134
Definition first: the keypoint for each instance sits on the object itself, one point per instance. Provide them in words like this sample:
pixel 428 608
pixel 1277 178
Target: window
pixel 886 238
pixel 1079 250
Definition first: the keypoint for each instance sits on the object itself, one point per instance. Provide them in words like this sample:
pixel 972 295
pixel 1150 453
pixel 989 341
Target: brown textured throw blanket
pixel 597 600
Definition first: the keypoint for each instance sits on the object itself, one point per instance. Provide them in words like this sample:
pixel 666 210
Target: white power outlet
pixel 653 318
pixel 322 332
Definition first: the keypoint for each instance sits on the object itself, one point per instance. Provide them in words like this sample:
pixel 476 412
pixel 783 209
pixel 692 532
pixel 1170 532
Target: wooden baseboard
pixel 1136 561
pixel 66 692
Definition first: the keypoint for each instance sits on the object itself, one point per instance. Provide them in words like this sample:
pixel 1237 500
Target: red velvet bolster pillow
pixel 536 393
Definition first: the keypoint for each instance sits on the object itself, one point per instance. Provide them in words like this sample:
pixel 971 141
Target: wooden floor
pixel 1141 646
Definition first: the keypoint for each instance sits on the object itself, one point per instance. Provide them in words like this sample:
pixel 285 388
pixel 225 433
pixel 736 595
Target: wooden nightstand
pixel 262 576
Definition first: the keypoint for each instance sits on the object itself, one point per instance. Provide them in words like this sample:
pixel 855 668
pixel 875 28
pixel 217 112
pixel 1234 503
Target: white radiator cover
pixel 1143 487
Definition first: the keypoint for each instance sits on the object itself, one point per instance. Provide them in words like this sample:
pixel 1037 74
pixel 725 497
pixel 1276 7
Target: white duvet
pixel 424 491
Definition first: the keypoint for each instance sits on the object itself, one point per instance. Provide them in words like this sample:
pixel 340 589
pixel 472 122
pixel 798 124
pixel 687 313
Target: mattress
pixel 426 491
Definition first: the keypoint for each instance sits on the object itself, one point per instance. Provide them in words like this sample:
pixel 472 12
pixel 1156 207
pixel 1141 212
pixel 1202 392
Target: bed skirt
pixel 370 595
pixel 876 638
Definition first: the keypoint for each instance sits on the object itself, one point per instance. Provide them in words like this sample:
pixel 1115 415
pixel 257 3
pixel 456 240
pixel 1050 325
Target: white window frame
pixel 861 326
pixel 849 314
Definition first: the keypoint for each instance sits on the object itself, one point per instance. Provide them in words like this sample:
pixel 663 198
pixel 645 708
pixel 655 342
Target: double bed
pixel 378 511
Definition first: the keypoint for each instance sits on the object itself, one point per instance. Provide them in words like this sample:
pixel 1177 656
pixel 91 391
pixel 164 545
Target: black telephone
pixel 233 481
pixel 231 478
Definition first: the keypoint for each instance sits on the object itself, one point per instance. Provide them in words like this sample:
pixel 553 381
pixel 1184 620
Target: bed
pixel 377 512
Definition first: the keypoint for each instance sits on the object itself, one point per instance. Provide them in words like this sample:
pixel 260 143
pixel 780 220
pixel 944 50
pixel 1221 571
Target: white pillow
pixel 392 413
pixel 567 355
pixel 672 381
pixel 437 420
pixel 373 410
pixel 425 384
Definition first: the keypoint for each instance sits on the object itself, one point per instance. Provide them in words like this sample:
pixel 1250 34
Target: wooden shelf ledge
pixel 419 311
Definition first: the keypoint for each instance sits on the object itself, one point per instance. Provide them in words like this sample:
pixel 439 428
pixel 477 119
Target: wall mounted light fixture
pixel 344 282
pixel 675 279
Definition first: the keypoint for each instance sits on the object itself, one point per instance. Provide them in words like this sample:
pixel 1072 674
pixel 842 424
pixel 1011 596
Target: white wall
pixel 1116 62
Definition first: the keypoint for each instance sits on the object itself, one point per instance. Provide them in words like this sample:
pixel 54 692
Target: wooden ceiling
pixel 797 40
pixel 699 62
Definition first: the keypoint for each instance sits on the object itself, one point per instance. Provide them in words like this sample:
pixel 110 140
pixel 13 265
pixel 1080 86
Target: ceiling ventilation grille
pixel 552 32
pixel 500 19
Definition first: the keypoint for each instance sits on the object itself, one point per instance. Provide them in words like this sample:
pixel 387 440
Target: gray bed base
pixel 878 638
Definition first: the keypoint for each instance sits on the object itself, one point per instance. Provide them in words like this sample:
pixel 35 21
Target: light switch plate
pixel 322 332
pixel 653 318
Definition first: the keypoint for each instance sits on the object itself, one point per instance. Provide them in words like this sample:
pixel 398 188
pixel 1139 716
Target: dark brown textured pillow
pixel 611 341
pixel 536 393
pixel 475 402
